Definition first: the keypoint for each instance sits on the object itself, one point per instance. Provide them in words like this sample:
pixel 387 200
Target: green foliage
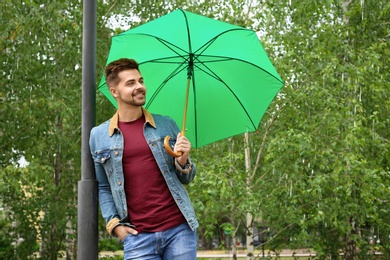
pixel 34 215
pixel 110 244
pixel 41 62
pixel 219 188
pixel 17 200
pixel 328 152
pixel 7 249
pixel 319 160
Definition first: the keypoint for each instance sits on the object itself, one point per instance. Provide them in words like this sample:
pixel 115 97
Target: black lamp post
pixel 87 248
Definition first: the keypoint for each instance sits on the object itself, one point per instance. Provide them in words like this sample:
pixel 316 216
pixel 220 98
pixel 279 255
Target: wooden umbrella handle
pixel 168 148
pixel 183 126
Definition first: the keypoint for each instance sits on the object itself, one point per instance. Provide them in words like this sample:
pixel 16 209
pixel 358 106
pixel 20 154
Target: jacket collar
pixel 115 119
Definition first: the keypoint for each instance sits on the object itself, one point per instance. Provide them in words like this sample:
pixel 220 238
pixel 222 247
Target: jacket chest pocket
pixel 104 158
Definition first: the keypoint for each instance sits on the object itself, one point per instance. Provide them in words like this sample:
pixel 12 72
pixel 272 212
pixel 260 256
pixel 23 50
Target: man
pixel 141 191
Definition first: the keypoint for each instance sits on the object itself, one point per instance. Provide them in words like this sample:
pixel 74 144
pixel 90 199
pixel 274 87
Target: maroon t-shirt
pixel 150 204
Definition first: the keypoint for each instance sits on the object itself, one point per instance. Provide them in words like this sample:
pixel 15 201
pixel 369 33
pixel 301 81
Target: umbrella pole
pixel 183 126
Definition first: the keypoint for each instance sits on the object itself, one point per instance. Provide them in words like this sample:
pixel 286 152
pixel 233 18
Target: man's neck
pixel 129 114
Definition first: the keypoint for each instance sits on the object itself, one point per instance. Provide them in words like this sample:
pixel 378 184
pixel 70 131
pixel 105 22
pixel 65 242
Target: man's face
pixel 131 89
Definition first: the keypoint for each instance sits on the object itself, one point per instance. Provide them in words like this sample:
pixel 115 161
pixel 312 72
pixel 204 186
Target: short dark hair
pixel 117 66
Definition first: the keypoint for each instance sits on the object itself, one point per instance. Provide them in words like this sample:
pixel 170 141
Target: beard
pixel 134 100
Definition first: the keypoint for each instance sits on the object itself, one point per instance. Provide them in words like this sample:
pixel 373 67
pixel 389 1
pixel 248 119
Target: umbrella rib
pixel 222 58
pixel 205 46
pixel 159 60
pixel 214 75
pixel 188 31
pixel 173 74
pixel 167 44
pixel 165 60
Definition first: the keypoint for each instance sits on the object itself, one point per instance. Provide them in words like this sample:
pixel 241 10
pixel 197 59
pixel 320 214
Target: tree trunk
pixel 249 237
pixel 350 249
pixel 70 249
pixel 350 243
pixel 249 218
pixel 234 246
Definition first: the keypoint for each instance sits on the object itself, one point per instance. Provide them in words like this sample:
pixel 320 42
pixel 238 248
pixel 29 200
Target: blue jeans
pixel 178 243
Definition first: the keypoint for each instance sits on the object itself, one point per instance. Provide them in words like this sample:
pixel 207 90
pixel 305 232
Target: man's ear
pixel 114 92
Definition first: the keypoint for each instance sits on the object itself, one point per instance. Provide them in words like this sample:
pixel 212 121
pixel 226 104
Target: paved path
pixel 228 254
pixel 224 254
pixel 240 253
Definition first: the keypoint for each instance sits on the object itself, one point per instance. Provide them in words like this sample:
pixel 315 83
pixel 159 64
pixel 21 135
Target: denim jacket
pixel 106 144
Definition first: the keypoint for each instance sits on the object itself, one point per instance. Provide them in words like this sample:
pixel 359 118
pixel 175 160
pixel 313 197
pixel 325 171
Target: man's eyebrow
pixel 130 81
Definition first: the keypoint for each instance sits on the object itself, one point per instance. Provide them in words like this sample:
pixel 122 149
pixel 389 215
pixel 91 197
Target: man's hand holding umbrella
pixel 182 147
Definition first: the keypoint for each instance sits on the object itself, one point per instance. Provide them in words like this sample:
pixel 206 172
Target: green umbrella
pixel 230 79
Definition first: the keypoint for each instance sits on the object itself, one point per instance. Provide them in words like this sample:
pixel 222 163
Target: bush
pixel 110 244
pixel 7 249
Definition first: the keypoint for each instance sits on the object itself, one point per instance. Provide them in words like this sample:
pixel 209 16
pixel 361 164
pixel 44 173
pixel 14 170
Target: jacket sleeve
pixel 106 201
pixel 187 174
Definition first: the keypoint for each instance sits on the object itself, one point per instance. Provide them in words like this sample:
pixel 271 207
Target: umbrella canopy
pixel 232 79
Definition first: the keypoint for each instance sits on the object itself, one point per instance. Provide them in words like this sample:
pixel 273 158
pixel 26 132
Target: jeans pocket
pixel 125 237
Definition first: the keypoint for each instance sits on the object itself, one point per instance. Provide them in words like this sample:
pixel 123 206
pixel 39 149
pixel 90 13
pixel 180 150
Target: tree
pixel 327 157
pixel 41 69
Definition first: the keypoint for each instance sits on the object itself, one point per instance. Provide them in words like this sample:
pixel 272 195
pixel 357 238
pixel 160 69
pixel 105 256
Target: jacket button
pixel 119 183
pixel 116 153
